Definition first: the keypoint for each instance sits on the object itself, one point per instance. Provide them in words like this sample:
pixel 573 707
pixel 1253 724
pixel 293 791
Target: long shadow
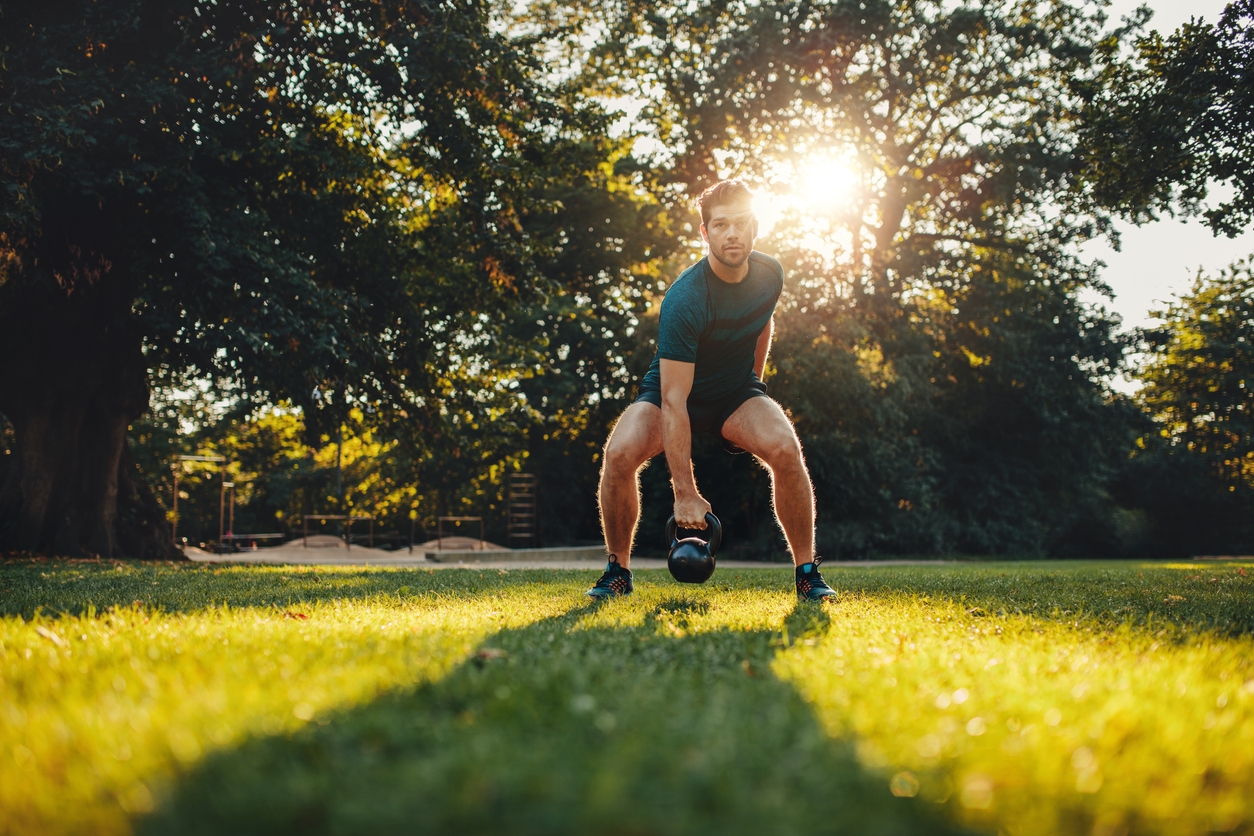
pixel 1214 597
pixel 601 720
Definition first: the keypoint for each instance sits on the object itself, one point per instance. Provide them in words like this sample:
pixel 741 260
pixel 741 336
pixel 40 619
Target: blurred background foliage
pixel 499 284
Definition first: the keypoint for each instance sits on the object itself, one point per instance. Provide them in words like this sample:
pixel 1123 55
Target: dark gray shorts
pixel 709 416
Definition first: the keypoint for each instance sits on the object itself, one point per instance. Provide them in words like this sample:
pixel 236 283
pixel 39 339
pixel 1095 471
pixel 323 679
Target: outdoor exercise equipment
pixel 522 508
pixel 231 538
pixel 174 530
pixel 348 537
pixel 228 540
pixel 439 529
pixel 691 560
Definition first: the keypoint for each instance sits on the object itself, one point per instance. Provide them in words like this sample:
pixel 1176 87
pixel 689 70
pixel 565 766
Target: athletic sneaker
pixel 810 584
pixel 614 583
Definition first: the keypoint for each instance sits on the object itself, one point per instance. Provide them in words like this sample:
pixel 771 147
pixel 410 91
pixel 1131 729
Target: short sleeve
pixel 775 268
pixel 681 321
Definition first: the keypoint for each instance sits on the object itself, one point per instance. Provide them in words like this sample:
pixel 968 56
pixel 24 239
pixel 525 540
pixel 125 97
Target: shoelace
pixel 613 578
pixel 812 579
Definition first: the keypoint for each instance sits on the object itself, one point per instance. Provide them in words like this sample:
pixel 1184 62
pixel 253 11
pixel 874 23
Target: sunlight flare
pixel 825 184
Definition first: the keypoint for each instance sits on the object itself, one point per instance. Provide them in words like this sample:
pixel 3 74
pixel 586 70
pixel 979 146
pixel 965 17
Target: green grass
pixel 1026 698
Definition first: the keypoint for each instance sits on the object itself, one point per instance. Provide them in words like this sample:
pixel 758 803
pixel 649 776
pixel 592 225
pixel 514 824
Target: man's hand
pixel 690 511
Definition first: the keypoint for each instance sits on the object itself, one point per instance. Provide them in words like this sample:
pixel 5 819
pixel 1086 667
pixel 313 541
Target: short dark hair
pixel 723 192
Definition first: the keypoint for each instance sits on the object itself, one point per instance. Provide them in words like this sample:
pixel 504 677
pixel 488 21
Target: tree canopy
pixel 423 227
pixel 327 203
pixel 1164 129
pixel 1193 468
pixel 932 345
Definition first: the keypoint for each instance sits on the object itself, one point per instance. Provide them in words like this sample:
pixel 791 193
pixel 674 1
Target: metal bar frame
pixel 348 540
pixel 174 524
pixel 439 530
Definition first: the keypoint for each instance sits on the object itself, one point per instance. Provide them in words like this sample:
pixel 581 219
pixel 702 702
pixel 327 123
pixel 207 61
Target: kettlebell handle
pixel 713 526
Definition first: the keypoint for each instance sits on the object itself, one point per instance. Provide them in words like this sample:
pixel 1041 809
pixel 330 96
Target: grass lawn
pixel 1025 698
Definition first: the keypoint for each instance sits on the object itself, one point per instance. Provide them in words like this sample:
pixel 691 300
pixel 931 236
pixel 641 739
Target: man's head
pixel 727 222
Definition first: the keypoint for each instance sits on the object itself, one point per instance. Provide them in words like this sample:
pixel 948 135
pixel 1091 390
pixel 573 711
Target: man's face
pixel 730 233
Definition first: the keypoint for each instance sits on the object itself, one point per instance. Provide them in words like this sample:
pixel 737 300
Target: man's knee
pixel 620 457
pixel 628 447
pixel 783 451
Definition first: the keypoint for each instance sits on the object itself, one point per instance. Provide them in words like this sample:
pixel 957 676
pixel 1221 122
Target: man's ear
pixel 705 236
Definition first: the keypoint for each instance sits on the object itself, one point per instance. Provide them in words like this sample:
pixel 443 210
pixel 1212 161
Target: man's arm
pixel 690 506
pixel 763 348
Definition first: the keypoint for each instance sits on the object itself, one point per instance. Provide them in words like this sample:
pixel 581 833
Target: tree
pixel 1164 126
pixel 946 379
pixel 1199 379
pixel 1194 468
pixel 320 202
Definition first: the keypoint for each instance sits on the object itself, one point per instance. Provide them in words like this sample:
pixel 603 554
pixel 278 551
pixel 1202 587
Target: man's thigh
pixel 637 437
pixel 760 426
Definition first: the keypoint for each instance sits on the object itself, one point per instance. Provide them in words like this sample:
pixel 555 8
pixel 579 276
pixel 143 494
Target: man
pixel 714 337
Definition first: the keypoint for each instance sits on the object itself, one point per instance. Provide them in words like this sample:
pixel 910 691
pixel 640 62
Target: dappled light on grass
pixel 657 714
pixel 1029 698
pixel 74 587
pixel 1066 723
pixel 102 709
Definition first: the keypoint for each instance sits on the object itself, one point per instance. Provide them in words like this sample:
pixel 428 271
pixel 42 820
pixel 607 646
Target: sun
pixel 822 185
pixel 825 184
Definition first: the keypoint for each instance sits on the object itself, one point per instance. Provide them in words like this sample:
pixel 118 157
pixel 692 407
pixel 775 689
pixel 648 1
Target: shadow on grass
pixel 603 720
pixel 1215 596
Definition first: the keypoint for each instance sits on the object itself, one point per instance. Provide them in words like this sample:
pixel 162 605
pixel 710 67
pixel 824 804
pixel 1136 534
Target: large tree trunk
pixel 72 378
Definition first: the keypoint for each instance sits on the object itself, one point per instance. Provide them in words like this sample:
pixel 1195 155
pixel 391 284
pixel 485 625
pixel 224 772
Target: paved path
pixel 357 556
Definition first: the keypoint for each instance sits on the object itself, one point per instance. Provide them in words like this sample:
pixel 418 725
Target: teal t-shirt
pixel 716 325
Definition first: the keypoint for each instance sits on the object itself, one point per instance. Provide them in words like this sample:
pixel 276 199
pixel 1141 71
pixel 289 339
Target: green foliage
pixel 1194 469
pixel 948 385
pixel 1019 697
pixel 969 446
pixel 253 210
pixel 543 404
pixel 415 224
pixel 329 204
pixel 1199 379
pixel 1166 125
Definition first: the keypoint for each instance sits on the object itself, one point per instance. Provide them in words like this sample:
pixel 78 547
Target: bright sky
pixel 1159 260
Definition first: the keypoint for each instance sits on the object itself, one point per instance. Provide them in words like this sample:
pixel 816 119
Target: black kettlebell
pixel 691 559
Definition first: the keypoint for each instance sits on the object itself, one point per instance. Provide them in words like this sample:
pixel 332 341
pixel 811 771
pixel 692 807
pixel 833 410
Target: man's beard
pixel 733 264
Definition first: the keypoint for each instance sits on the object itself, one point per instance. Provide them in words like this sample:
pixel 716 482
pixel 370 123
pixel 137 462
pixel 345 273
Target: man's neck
pixel 731 275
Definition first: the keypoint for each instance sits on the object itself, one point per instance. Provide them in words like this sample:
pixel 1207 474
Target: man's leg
pixel 760 426
pixel 636 438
